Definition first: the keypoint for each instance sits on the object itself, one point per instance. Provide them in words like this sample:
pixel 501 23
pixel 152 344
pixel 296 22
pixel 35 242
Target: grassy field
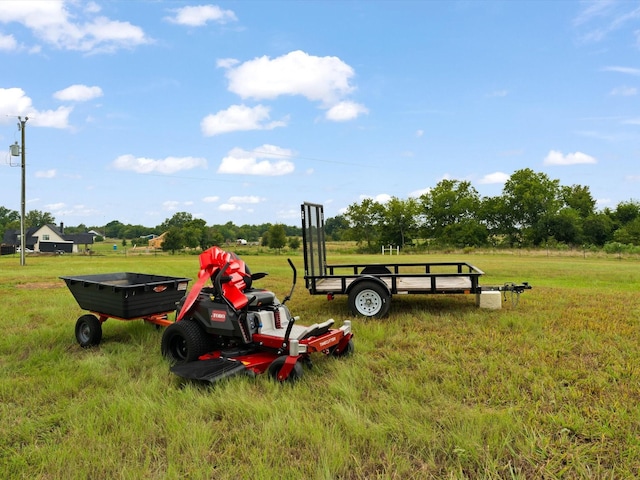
pixel 439 389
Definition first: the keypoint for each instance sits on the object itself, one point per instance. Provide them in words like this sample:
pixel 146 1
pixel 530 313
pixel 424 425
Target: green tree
pixel 173 240
pixel 294 243
pixel 565 227
pixel 450 213
pixel 364 220
pixel 531 199
pixel 626 212
pixel 277 236
pixel 335 227
pixel 8 219
pixel 179 219
pixel 398 221
pixel 597 229
pixel 36 218
pixel 578 198
pixel 113 229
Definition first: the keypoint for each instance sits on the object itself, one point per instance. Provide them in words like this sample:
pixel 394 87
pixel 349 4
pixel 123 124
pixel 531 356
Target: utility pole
pixel 21 125
pixel 23 202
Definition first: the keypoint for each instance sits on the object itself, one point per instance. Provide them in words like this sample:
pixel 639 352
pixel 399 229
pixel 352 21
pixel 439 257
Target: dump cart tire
pixel 184 341
pixel 348 350
pixel 276 366
pixel 369 299
pixel 88 331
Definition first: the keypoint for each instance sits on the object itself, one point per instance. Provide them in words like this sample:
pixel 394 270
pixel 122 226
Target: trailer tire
pixel 369 299
pixel 184 341
pixel 276 366
pixel 88 331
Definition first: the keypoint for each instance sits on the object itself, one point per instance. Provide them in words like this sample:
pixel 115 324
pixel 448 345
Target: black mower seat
pixel 262 297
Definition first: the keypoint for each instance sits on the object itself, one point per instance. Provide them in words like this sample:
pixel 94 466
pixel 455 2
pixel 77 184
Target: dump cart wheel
pixel 348 350
pixel 88 331
pixel 184 341
pixel 276 366
pixel 369 299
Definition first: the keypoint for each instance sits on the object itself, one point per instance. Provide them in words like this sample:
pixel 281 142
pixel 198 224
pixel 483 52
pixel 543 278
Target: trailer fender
pixel 367 278
pixel 369 296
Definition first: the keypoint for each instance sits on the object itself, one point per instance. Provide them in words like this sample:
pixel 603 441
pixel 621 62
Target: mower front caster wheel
pixel 88 331
pixel 277 365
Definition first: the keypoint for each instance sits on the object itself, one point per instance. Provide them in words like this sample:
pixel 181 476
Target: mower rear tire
pixel 88 331
pixel 184 341
pixel 278 363
pixel 369 299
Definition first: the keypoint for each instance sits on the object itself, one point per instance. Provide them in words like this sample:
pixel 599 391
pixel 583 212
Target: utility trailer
pixel 370 286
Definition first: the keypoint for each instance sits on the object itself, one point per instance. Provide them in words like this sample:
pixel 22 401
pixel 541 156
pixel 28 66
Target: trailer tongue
pixel 369 287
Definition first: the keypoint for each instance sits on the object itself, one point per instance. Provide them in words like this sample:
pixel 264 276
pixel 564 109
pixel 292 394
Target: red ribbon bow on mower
pixel 213 261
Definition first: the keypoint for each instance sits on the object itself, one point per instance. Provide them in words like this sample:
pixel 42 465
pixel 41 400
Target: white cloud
pixel 344 111
pixel 245 199
pixel 419 133
pixel 198 16
pixel 418 193
pixel 238 118
pixel 624 91
pixel 257 162
pixel 8 43
pixel 625 70
pixel 495 177
pixel 170 205
pixel 498 93
pixel 55 206
pixel 557 158
pixel 78 93
pixel 324 79
pixel 211 199
pixel 71 25
pixel 46 173
pixel 168 165
pixel 228 207
pixel 14 102
pixel 380 198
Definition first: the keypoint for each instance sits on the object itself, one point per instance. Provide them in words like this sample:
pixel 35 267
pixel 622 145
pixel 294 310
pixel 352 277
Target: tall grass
pixel 439 389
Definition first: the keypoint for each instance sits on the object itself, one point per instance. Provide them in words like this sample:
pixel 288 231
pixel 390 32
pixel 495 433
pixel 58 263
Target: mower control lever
pixel 295 276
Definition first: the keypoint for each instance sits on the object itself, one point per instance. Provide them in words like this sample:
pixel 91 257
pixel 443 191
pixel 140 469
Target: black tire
pixel 369 299
pixel 88 331
pixel 184 341
pixel 347 351
pixel 276 366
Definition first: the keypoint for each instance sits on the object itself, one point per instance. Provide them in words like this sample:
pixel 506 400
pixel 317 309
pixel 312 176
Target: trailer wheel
pixel 184 341
pixel 369 299
pixel 88 331
pixel 276 366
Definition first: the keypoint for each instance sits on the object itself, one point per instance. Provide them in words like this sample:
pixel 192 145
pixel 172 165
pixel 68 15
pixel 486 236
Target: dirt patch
pixel 39 285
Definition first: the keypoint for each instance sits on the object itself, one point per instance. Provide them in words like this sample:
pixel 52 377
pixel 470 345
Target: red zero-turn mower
pixel 232 328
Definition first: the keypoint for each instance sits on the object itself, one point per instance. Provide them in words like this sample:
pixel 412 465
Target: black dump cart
pixel 124 296
pixel 370 286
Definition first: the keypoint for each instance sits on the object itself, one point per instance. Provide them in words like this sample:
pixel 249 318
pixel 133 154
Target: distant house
pixel 157 241
pixel 49 238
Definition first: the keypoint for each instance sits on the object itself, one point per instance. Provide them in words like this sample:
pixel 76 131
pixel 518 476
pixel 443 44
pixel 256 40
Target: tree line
pixel 533 210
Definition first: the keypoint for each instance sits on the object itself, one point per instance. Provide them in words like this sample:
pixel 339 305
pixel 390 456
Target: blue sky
pixel 239 111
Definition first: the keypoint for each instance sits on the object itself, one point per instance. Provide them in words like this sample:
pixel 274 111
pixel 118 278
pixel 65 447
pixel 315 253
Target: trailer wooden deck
pixel 403 284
